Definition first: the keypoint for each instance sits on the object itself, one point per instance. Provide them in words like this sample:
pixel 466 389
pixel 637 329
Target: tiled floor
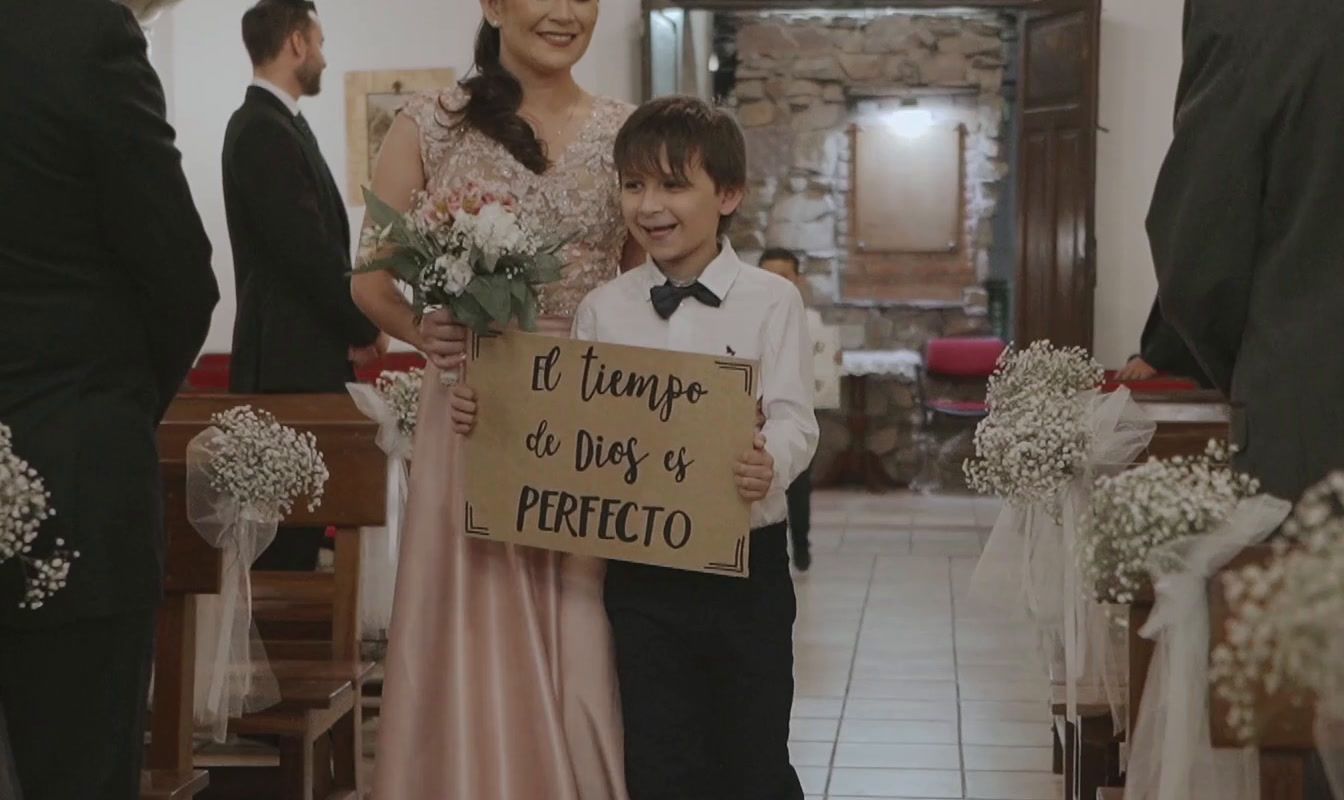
pixel 902 692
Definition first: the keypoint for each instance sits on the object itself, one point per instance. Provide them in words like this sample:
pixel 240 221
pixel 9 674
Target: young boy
pixel 705 662
pixel 784 263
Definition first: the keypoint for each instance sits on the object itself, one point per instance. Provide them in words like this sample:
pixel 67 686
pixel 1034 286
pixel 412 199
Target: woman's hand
pixel 443 339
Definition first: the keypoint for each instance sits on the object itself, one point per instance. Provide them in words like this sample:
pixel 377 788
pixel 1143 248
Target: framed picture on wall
pixel 372 100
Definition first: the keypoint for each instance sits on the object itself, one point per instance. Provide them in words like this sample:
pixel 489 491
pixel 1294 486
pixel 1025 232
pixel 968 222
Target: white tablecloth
pixel 903 364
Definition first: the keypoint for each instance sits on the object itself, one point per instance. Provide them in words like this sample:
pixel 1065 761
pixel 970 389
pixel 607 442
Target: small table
pixel 858 464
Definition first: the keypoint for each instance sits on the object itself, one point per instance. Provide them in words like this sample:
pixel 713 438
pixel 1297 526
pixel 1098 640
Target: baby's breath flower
pixel 401 391
pixel 25 504
pixel 1132 513
pixel 1285 622
pixel 263 464
pixel 1036 436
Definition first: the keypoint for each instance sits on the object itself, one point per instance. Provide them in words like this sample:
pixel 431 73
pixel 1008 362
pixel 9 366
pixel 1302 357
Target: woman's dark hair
pixel 494 97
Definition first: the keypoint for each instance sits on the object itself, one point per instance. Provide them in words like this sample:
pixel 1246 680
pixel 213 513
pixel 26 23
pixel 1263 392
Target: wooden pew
pixel 191 567
pixel 1286 740
pixel 1186 421
pixel 320 672
pixel 1091 748
pixel 290 603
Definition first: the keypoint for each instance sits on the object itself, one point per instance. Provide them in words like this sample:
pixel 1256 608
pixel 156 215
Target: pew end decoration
pixel 1284 633
pixel 1036 435
pixel 1133 513
pixel 25 504
pixel 1175 523
pixel 1050 431
pixel 244 474
pixel 393 402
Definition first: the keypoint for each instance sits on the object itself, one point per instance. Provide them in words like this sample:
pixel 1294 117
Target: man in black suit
pixel 297 328
pixel 1246 226
pixel 105 299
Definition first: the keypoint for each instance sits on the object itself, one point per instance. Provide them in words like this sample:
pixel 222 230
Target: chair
pixel 956 361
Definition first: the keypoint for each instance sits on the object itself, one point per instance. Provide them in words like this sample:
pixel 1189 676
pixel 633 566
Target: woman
pixel 500 681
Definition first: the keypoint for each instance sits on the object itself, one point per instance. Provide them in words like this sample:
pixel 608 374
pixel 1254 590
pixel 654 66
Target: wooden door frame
pixel 1092 93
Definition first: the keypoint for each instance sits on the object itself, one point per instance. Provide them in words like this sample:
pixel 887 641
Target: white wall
pixel 1140 62
pixel 199 52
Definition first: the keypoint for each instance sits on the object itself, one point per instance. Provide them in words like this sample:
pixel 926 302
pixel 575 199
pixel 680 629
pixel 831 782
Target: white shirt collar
pixel 718 276
pixel 288 99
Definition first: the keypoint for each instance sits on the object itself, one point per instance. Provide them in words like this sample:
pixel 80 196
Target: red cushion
pixel 213 361
pixel 963 356
pixel 1161 383
pixel 392 362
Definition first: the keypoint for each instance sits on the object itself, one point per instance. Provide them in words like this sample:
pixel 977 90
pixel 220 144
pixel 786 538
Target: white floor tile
pixel 1013 785
pixel 895 783
pixel 898 731
pixel 897 756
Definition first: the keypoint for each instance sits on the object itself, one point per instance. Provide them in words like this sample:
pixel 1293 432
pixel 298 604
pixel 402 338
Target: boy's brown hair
pixel 688 131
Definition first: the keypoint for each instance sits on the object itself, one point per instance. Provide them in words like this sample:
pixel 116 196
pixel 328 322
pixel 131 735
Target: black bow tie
pixel 667 298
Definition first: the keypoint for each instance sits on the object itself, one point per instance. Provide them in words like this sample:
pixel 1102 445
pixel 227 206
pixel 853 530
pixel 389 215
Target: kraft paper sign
pixel 617 452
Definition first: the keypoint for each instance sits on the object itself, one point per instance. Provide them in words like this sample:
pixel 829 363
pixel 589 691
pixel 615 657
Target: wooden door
pixel 1057 122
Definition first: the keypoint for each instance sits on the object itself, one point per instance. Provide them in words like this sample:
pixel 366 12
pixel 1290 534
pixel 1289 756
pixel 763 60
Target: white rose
pixel 457 273
pixel 497 230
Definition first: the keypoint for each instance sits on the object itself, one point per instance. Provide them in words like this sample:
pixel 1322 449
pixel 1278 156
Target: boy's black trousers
pixel 706 675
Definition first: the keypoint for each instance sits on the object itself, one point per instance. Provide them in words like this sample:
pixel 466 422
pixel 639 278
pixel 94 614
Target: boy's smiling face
pixel 675 215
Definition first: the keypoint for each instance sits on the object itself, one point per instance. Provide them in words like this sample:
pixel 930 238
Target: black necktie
pixel 667 298
pixel 302 125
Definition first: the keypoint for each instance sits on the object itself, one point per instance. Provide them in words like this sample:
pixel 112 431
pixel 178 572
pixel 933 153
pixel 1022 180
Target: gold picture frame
pixel 372 99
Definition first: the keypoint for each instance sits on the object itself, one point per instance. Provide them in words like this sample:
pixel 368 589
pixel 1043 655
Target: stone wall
pixel 802 79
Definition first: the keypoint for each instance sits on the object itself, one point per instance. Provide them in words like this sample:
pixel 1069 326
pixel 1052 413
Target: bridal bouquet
pixel 466 250
pixel 24 505
pixel 262 464
pixel 1131 514
pixel 1283 633
pixel 1037 433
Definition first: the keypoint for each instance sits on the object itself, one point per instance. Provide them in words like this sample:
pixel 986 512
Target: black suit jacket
pixel 291 256
pixel 1247 225
pixel 105 292
pixel 1164 349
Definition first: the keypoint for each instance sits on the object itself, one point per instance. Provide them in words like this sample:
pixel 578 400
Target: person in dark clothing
pixel 1162 350
pixel 106 292
pixel 297 329
pixel 784 263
